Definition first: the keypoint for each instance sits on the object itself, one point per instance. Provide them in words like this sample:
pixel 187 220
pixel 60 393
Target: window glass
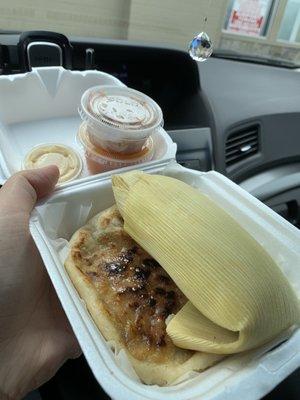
pixel 268 29
pixel 249 17
pixel 290 26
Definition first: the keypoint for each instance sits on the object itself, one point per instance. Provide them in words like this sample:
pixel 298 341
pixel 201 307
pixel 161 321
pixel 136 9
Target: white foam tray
pixel 249 375
pixel 41 106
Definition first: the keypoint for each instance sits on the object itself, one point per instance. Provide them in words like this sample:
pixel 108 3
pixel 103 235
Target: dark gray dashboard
pixel 241 93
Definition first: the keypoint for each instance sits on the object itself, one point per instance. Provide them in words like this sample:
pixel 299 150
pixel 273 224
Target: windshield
pixel 265 31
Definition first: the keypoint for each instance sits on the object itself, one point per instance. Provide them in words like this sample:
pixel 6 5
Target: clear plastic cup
pixel 64 157
pixel 119 119
pixel 100 160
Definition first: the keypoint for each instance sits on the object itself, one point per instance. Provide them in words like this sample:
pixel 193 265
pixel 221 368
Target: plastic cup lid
pixel 65 158
pixel 121 108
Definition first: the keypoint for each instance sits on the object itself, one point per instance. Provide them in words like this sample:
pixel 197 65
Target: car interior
pixel 239 116
pixel 255 145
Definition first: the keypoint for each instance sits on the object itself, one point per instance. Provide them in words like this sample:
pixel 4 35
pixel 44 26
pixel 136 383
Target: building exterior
pixel 280 34
pixel 262 27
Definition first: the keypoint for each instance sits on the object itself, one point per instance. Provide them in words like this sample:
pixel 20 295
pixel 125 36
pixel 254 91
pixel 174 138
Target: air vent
pixel 241 144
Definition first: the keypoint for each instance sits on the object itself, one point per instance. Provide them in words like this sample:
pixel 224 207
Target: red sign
pixel 248 17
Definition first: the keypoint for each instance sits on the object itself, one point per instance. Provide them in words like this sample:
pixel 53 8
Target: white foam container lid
pixel 41 107
pixel 247 375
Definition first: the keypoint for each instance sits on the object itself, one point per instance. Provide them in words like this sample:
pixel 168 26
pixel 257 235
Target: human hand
pixel 35 336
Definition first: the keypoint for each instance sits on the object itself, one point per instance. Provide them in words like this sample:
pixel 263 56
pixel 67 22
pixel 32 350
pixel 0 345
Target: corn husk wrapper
pixel 238 296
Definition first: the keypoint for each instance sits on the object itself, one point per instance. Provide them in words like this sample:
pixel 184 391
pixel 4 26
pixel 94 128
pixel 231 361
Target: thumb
pixel 22 190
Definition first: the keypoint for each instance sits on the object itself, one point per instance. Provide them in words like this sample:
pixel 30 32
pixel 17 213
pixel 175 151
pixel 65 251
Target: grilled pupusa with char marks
pixel 129 296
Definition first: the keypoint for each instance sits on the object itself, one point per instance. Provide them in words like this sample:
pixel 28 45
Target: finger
pixel 42 180
pixel 74 348
pixel 57 349
pixel 23 189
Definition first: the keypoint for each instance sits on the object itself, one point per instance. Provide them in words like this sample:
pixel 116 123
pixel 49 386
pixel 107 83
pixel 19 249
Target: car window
pixel 263 29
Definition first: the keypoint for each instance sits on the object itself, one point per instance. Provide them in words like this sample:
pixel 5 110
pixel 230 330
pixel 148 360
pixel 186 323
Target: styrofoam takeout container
pixel 36 108
pixel 41 107
pixel 248 375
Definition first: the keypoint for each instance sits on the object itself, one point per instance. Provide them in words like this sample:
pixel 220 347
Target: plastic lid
pixel 65 158
pixel 114 108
